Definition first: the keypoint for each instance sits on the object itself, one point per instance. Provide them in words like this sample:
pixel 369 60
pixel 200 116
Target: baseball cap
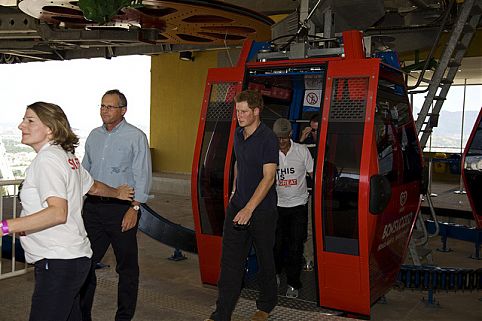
pixel 282 127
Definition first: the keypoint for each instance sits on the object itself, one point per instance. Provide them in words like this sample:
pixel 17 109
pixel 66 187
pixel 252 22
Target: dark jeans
pixel 236 246
pixel 103 224
pixel 57 286
pixel 291 233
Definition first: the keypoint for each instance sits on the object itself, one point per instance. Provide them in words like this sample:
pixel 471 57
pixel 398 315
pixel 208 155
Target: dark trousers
pixel 57 286
pixel 103 224
pixel 291 233
pixel 236 247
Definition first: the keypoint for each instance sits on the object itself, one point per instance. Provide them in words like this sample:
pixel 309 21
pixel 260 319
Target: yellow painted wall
pixel 177 89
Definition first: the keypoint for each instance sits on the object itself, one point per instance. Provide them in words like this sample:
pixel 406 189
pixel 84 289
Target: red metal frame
pixel 477 216
pixel 353 44
pixel 209 246
pixel 343 279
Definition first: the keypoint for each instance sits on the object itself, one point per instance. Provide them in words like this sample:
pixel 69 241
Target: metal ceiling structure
pixel 40 30
pixel 57 29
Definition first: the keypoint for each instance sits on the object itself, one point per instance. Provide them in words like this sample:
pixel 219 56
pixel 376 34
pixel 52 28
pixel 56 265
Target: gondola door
pixel 212 164
pixel 342 185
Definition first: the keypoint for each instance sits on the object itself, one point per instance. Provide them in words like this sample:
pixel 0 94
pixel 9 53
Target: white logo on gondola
pixel 403 198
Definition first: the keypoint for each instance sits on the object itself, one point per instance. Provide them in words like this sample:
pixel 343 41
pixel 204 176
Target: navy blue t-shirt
pixel 251 154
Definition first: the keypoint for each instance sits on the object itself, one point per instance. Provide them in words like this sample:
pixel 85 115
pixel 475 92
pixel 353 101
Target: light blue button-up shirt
pixel 120 156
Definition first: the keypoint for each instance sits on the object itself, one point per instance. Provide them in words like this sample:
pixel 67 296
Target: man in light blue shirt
pixel 116 153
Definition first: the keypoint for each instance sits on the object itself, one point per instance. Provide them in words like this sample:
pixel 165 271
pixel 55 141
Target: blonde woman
pixel 51 226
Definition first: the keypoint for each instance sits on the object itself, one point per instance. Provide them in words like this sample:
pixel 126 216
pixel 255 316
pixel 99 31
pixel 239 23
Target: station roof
pixel 42 30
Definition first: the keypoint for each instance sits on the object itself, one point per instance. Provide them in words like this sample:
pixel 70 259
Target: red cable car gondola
pixel 367 180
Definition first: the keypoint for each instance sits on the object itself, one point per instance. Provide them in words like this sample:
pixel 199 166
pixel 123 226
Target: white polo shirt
pixel 55 172
pixel 291 175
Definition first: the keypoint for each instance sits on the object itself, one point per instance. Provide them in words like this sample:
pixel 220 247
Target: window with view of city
pixel 77 86
pixel 447 136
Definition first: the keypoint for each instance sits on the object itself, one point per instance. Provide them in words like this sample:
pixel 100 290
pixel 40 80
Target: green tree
pixel 102 11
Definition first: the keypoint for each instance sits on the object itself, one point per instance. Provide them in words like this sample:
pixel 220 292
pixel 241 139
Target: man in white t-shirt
pixel 295 162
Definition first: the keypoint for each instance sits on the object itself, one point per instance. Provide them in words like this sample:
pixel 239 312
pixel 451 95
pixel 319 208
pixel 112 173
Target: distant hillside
pixel 450 123
pixel 447 134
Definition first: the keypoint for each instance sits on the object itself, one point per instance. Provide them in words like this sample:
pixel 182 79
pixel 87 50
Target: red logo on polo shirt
pixel 74 163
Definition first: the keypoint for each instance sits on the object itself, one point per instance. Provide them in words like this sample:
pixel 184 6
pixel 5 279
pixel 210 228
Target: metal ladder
pixel 462 33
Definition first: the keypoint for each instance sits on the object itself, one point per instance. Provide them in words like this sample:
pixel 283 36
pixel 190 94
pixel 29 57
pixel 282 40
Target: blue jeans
pixel 56 296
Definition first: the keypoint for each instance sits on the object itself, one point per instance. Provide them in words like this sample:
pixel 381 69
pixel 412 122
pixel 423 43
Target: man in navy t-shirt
pixel 251 214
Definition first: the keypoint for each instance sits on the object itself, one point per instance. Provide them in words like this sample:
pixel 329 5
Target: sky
pixel 455 98
pixel 77 87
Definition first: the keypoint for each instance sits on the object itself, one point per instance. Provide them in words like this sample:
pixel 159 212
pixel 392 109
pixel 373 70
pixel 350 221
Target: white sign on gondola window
pixel 313 92
pixel 312 98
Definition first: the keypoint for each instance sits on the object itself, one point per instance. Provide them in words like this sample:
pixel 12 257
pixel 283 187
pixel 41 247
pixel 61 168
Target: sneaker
pixel 260 316
pixel 308 266
pixel 291 292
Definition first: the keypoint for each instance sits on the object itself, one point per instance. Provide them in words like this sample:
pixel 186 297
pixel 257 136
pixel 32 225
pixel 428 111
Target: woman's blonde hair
pixel 54 118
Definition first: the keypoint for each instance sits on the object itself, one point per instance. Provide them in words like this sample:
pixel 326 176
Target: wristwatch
pixel 135 207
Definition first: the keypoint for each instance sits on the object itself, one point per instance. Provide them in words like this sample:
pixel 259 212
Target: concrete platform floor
pixel 172 291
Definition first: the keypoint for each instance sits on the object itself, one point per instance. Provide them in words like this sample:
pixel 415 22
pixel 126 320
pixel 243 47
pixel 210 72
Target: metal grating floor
pixel 302 308
pixel 245 308
pixel 307 294
pixel 161 300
